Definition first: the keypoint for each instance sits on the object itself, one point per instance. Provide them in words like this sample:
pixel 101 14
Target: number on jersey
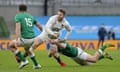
pixel 28 21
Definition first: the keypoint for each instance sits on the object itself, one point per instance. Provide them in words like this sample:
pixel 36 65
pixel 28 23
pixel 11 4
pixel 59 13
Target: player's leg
pixel 32 56
pixel 99 53
pixel 54 51
pixel 26 44
pixel 14 49
pixel 105 55
pixel 37 41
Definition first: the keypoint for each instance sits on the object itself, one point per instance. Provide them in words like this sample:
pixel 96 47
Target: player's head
pixel 61 13
pixel 22 8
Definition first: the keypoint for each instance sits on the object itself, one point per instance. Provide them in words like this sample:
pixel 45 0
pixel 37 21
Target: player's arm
pixel 18 27
pixel 69 30
pixel 49 25
pixel 59 42
pixel 39 26
pixel 18 30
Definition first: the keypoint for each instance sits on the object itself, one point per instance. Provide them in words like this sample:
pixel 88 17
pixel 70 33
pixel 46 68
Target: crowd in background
pixel 103 33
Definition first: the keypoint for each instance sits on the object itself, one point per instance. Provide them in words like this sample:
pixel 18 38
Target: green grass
pixel 9 64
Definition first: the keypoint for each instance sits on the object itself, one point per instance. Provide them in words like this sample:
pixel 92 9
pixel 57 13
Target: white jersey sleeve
pixel 49 25
pixel 68 28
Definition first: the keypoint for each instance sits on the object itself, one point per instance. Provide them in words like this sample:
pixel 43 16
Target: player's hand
pixel 53 41
pixel 61 40
pixel 55 35
pixel 16 44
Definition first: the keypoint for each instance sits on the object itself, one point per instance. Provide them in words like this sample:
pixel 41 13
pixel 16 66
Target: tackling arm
pixel 59 42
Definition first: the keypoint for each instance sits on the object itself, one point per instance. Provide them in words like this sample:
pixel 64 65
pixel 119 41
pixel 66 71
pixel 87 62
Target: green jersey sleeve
pixel 17 19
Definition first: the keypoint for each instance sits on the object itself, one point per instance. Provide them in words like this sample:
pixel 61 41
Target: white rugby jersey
pixel 55 26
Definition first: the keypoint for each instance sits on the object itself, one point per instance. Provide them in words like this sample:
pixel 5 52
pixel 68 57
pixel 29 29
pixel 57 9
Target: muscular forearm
pixel 67 34
pixel 61 45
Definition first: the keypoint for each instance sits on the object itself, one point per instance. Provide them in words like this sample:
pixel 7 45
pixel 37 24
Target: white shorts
pixel 81 54
pixel 44 36
pixel 26 43
pixel 81 57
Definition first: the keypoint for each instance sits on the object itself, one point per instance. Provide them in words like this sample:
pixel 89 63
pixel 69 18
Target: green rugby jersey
pixel 27 22
pixel 69 51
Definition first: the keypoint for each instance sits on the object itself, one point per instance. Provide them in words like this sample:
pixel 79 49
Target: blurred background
pixel 85 16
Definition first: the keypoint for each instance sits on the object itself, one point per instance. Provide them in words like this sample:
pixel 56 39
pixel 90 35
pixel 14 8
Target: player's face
pixel 60 16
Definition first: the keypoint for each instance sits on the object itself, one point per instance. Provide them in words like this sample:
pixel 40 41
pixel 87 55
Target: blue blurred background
pixel 86 27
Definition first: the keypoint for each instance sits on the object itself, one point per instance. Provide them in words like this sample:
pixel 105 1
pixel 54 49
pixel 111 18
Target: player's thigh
pixel 43 36
pixel 53 48
pixel 82 54
pixel 87 57
pixel 82 60
pixel 91 58
pixel 26 43
pixel 79 61
pixel 13 42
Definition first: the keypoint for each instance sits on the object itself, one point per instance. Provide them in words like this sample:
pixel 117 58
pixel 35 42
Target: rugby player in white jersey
pixel 52 31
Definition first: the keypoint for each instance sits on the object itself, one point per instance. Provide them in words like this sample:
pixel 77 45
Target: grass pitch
pixel 9 64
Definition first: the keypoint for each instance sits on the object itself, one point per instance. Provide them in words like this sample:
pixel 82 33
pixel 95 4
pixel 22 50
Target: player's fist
pixel 53 41
pixel 54 36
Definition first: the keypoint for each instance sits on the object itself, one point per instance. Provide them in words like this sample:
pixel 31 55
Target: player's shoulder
pixel 65 21
pixel 53 17
pixel 28 14
pixel 18 15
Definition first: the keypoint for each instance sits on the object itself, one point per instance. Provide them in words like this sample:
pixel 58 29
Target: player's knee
pixel 37 43
pixel 11 44
pixel 95 60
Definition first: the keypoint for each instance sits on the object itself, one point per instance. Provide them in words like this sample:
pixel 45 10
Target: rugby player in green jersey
pixel 25 35
pixel 80 56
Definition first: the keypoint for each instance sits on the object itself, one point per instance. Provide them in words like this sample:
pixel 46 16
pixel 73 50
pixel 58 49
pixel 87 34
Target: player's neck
pixel 60 20
pixel 22 12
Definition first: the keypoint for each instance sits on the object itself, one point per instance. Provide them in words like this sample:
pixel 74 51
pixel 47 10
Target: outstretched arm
pixel 59 42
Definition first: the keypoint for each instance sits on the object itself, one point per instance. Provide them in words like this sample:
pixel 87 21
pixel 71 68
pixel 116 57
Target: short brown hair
pixel 22 7
pixel 62 11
